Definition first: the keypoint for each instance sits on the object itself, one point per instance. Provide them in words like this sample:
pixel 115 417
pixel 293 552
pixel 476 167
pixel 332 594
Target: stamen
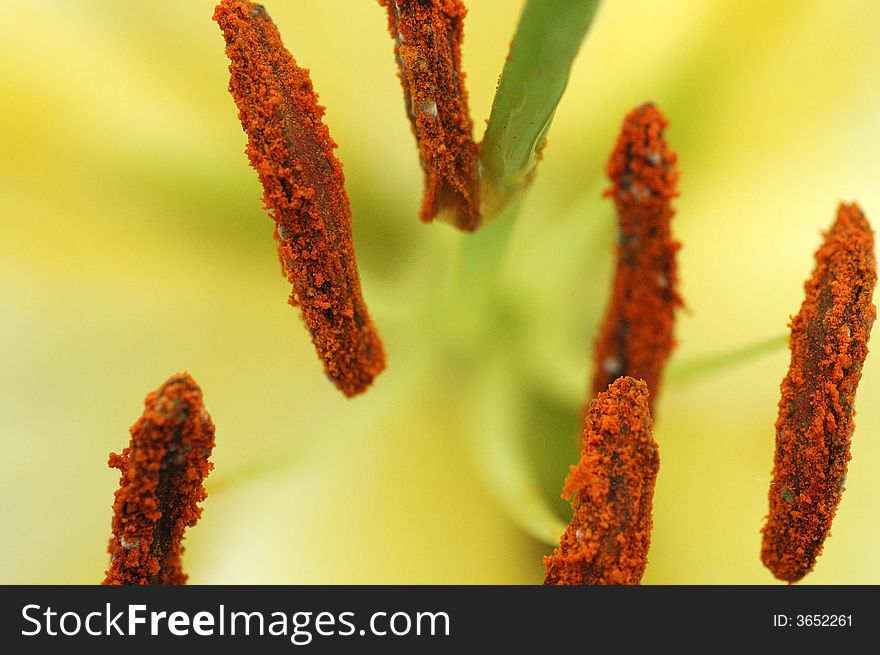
pixel 829 343
pixel 637 332
pixel 292 152
pixel 611 491
pixel 161 485
pixel 428 36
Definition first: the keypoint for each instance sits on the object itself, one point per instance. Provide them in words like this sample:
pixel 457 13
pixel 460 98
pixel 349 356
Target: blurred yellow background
pixel 134 245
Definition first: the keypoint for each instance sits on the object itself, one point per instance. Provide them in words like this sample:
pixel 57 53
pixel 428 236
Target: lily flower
pixel 134 243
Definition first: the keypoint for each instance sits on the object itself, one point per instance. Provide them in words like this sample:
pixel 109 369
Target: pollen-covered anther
pixel 611 492
pixel 637 331
pixel 160 485
pixel 829 344
pixel 427 46
pixel 290 148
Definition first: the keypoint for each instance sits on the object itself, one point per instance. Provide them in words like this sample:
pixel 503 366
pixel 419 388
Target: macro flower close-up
pixel 439 292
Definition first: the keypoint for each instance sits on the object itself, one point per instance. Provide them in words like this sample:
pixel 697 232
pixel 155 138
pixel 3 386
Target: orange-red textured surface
pixel 611 491
pixel 428 35
pixel 292 152
pixel 829 343
pixel 637 334
pixel 161 485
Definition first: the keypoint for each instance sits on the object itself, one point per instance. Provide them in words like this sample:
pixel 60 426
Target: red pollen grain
pixel 160 485
pixel 637 333
pixel 829 343
pixel 303 185
pixel 428 36
pixel 611 491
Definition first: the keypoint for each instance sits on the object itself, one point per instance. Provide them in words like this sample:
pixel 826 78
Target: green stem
pixel 479 262
pixel 499 455
pixel 547 39
pixel 698 367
